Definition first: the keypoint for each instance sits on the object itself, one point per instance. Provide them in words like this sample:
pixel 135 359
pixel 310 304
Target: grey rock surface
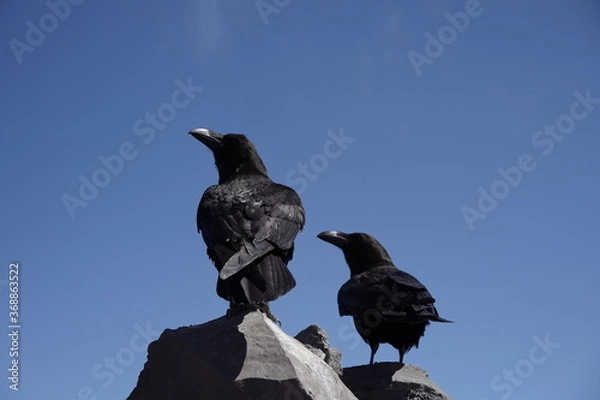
pixel 235 357
pixel 315 339
pixel 392 381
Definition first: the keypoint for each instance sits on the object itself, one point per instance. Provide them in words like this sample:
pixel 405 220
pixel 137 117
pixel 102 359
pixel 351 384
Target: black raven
pixel 248 223
pixel 388 305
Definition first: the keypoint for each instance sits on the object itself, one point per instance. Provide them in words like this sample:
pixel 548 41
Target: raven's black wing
pixel 389 292
pixel 247 218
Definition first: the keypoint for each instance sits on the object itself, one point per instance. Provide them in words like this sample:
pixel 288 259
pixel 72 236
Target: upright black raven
pixel 388 305
pixel 248 223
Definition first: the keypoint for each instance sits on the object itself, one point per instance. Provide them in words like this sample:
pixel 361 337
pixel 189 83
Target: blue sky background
pixel 422 147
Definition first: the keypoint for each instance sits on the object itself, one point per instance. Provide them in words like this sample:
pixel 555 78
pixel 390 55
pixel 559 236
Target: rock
pixel 315 339
pixel 391 381
pixel 243 356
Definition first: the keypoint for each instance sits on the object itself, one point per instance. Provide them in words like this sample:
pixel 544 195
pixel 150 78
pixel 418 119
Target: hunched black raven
pixel 387 305
pixel 248 223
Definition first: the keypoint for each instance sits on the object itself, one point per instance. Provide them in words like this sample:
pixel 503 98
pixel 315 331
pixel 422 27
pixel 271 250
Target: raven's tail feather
pixel 440 319
pixel 272 277
pixel 266 279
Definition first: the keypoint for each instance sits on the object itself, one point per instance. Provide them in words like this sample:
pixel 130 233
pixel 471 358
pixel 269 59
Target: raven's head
pixel 361 251
pixel 234 153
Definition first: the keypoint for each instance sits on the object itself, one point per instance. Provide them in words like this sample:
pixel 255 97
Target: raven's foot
pixel 264 308
pixel 401 354
pixel 245 308
pixel 240 308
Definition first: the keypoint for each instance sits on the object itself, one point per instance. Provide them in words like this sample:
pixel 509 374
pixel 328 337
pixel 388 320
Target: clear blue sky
pixel 425 137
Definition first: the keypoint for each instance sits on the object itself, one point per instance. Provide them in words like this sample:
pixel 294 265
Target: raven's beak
pixel 336 238
pixel 210 139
